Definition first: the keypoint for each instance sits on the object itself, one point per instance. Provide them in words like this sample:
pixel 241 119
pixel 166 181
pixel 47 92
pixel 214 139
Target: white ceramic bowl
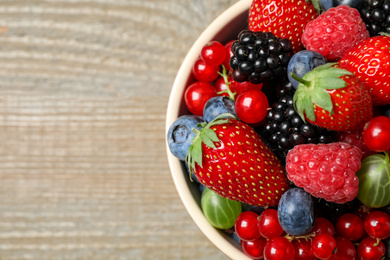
pixel 225 28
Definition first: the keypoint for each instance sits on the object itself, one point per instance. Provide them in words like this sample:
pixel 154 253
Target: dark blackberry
pixel 332 211
pixel 285 128
pixel 259 56
pixel 376 16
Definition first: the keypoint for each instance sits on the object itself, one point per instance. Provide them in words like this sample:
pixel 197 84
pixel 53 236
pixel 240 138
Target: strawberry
pixel 333 98
pixel 228 157
pixel 370 62
pixel 283 18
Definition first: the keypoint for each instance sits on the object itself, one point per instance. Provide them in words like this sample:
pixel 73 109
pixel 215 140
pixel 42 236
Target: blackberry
pixel 259 56
pixel 332 211
pixel 376 16
pixel 285 128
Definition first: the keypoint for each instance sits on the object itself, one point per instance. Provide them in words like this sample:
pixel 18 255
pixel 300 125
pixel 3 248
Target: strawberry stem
pixel 300 80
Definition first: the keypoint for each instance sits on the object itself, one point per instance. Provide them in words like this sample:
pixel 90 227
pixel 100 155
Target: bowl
pixel 224 28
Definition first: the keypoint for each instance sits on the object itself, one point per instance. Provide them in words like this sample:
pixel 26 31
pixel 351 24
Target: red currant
pixel 303 249
pixel 350 226
pixel 213 53
pixel 196 96
pixel 377 224
pixel 279 248
pixel 242 86
pixel 229 54
pixel 323 226
pixel 376 134
pixel 254 249
pixel 323 246
pixel 268 224
pixel 251 106
pixel 246 226
pixel 370 249
pixel 205 72
pixel 344 250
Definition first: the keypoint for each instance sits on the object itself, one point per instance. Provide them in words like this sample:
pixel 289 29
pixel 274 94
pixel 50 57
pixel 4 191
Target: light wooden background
pixel 84 86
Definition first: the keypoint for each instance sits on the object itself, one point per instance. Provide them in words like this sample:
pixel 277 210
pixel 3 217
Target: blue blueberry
pixel 302 62
pixel 327 4
pixel 180 135
pixel 296 212
pixel 216 106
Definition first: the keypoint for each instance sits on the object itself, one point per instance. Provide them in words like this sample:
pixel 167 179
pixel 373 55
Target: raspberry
pixel 334 32
pixel 325 170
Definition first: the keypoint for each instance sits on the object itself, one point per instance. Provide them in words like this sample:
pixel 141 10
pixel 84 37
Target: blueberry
pixel 302 62
pixel 216 106
pixel 180 135
pixel 296 212
pixel 327 4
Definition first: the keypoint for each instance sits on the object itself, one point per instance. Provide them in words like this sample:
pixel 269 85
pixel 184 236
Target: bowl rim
pixel 192 207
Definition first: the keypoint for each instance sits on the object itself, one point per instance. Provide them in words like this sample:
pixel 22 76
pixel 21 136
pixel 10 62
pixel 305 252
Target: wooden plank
pixel 84 86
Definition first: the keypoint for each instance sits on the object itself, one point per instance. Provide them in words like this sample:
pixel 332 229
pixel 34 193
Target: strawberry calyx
pixel 313 89
pixel 207 136
pixel 316 4
pixel 224 75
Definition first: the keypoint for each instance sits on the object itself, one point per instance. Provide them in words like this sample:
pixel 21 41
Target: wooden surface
pixel 84 86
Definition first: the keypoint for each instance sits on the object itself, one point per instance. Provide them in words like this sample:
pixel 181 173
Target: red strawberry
pixel 283 18
pixel 370 62
pixel 229 157
pixel 334 32
pixel 325 170
pixel 333 98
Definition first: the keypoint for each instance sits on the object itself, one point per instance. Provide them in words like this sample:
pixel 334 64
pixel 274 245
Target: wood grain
pixel 84 86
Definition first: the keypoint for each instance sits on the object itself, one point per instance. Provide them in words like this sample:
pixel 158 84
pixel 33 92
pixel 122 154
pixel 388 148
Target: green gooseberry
pixel 219 211
pixel 374 181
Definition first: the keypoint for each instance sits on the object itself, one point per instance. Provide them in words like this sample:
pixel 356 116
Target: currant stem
pixel 227 83
pixel 306 237
pixel 377 242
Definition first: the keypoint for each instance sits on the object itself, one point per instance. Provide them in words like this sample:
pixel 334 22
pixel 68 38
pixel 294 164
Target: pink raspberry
pixel 325 170
pixel 334 32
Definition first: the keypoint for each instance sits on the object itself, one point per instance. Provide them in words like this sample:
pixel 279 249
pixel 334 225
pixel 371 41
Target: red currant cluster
pixel 212 73
pixel 352 237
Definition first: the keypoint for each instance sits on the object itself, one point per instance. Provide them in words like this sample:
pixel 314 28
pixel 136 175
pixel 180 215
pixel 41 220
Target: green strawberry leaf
pixel 207 132
pixel 298 106
pixel 308 108
pixel 316 4
pixel 322 99
pixel 314 88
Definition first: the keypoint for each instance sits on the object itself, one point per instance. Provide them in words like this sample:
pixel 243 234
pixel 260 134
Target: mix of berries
pixel 288 130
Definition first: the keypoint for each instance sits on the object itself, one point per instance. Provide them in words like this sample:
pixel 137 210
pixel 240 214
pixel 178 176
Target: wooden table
pixel 84 86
